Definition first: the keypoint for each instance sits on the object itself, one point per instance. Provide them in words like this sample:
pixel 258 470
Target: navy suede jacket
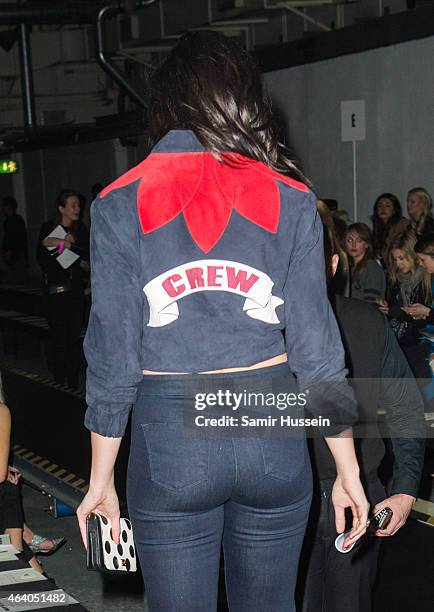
pixel 199 265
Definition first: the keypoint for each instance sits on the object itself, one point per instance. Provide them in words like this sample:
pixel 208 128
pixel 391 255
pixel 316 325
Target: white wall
pixel 397 83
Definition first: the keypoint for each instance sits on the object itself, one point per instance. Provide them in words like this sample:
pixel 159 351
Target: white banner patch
pixel 166 289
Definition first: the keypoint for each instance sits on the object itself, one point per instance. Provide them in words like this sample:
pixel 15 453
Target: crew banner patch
pixel 165 290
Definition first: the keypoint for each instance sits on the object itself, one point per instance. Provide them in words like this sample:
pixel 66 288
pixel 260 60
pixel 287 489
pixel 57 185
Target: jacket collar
pixel 178 141
pixel 180 177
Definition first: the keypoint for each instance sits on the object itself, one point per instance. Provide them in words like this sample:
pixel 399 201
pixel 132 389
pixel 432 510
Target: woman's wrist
pixel 348 471
pixel 98 484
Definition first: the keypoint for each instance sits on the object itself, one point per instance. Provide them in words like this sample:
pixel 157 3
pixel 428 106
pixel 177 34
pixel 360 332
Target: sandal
pixel 35 544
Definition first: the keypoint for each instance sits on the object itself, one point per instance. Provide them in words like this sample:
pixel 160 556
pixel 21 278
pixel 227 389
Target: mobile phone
pixel 380 519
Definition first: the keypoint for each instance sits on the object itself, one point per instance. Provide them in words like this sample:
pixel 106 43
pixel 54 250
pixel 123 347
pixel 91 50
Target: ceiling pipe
pixel 58 12
pixel 109 67
pixel 26 77
pixel 46 13
pixel 78 12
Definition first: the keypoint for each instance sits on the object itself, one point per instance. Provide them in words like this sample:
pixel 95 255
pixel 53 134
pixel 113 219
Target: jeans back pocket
pixel 284 458
pixel 177 459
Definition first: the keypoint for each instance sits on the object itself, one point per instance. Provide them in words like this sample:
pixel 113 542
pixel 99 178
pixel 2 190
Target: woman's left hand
pixel 417 311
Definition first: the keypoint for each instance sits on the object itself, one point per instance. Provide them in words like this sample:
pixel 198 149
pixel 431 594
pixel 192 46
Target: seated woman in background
pixel 419 206
pixel 387 224
pixel 368 281
pixel 11 513
pixel 409 289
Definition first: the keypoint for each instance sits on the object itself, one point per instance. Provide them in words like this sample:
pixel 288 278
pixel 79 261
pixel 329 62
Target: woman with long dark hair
pixel 367 278
pixel 63 285
pixel 208 279
pixel 387 223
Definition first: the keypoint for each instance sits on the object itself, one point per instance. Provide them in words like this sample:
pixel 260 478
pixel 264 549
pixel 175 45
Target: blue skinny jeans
pixel 189 495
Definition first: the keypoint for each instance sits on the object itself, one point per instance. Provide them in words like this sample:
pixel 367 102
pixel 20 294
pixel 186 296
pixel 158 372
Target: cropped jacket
pixel 201 265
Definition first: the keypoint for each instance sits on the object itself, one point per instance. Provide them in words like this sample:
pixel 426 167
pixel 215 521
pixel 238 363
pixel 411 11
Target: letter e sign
pixel 353 126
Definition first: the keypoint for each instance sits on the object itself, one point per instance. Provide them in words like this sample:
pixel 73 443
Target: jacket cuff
pixel 405 484
pixel 109 420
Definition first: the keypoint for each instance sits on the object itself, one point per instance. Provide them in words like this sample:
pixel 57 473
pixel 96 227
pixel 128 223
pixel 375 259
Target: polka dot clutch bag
pixel 103 553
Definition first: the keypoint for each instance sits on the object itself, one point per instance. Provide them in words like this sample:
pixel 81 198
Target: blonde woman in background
pixel 409 285
pixel 419 206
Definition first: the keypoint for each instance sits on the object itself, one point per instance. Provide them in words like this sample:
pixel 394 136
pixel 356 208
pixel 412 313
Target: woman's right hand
pixel 69 240
pixel 103 502
pixel 348 493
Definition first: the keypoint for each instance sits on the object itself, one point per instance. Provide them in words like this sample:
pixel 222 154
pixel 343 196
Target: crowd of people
pixel 390 265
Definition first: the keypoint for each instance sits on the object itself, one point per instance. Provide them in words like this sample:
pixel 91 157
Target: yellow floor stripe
pixel 424 506
pixel 52 467
pixel 78 482
pixel 59 472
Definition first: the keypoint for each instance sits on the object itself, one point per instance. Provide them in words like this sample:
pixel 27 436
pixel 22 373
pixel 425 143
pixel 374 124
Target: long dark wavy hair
pixel 211 85
pixel 381 230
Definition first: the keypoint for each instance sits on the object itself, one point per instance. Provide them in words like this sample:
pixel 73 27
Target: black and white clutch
pixel 103 553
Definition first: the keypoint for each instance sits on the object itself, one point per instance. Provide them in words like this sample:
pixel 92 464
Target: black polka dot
pixel 120 550
pixel 107 547
pixel 104 520
pixel 124 535
pixel 115 562
pixel 132 551
pixel 111 534
pixel 127 564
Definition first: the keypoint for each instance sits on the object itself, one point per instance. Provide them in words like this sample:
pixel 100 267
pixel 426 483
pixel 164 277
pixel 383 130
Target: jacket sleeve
pixel 403 404
pixel 374 282
pixel 113 339
pixel 313 341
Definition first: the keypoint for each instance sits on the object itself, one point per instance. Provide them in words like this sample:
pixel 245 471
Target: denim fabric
pixel 190 494
pixel 207 329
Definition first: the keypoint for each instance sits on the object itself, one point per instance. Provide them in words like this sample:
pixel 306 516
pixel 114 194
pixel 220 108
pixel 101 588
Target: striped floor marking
pixel 4 365
pixel 51 468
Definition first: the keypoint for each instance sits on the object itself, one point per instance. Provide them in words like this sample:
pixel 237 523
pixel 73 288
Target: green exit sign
pixel 8 166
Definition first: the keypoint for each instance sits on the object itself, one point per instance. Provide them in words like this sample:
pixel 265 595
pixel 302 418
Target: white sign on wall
pixel 353 120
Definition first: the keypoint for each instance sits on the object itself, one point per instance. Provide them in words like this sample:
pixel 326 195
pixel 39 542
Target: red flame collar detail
pixel 205 191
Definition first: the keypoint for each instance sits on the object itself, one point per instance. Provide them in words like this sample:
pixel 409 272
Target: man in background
pixel 331 581
pixel 15 258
